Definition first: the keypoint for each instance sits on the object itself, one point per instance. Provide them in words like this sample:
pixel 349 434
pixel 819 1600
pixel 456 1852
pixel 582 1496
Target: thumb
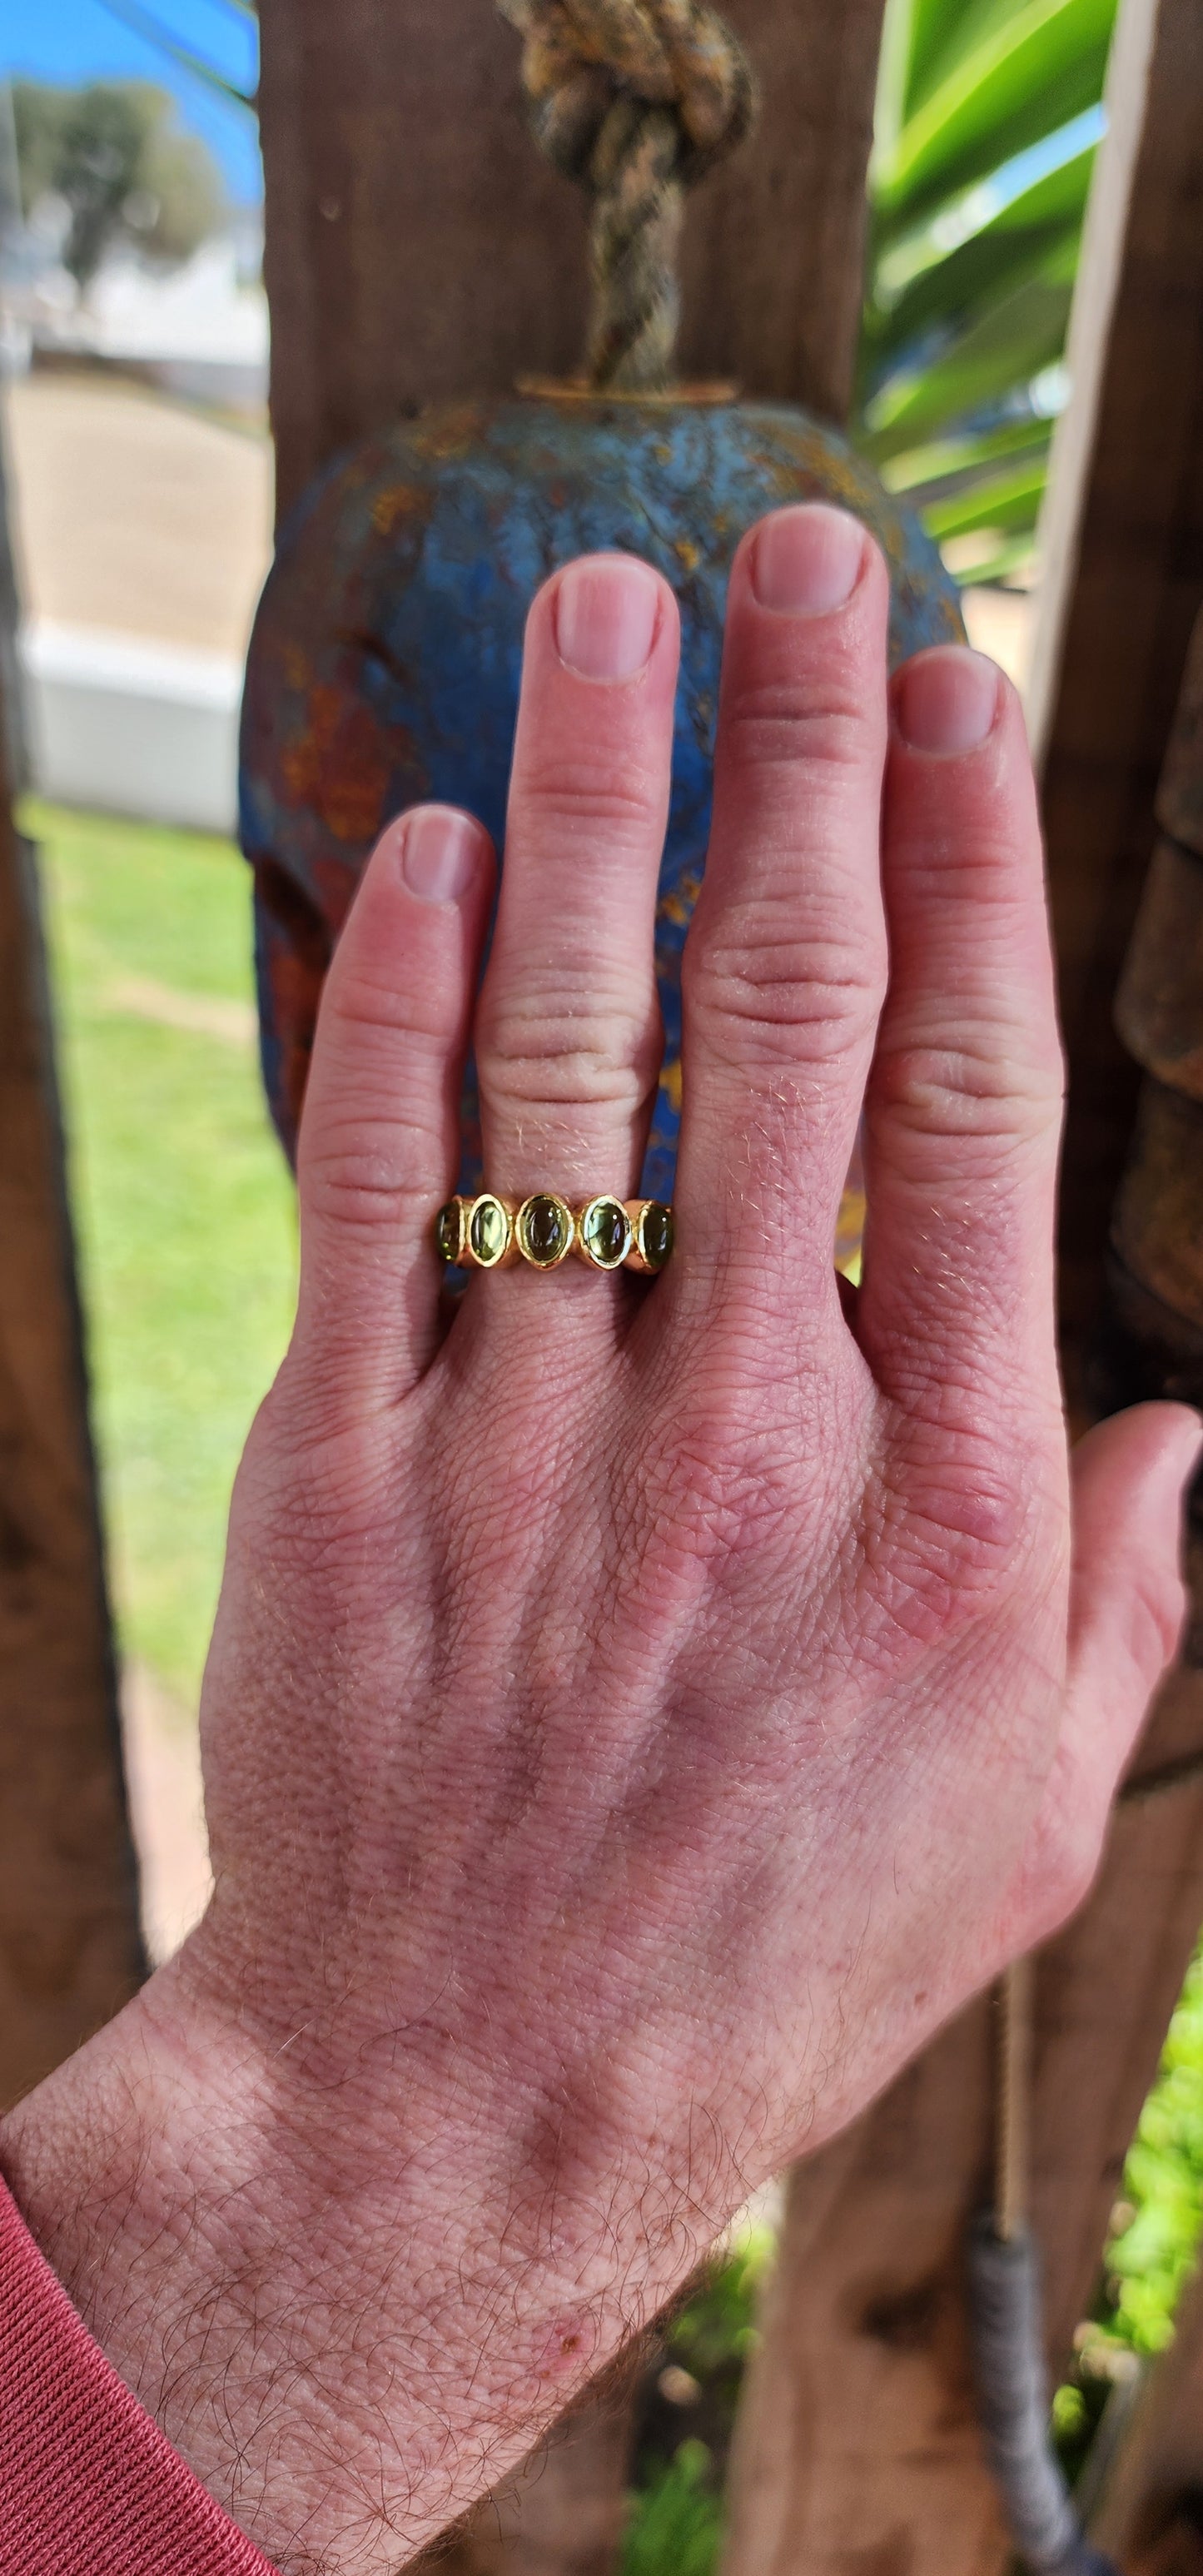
pixel 1127 1596
pixel 1127 1602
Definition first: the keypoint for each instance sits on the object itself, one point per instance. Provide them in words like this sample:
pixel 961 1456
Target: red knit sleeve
pixel 89 2486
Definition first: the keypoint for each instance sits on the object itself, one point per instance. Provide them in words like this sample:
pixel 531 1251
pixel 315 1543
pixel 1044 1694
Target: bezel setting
pixel 490 1231
pixel 450 1230
pixel 589 1223
pixel 545 1230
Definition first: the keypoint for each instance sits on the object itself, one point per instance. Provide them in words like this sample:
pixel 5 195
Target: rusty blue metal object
pixel 385 660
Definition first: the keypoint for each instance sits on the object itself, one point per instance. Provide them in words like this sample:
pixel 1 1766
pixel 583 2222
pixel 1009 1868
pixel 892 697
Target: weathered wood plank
pixel 856 2445
pixel 1148 2517
pixel 1123 542
pixel 1104 1995
pixel 857 2442
pixel 419 247
pixel 561 2513
pixel 70 1951
pixel 853 2450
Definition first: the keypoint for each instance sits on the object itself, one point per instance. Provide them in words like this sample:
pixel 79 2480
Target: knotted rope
pixel 636 100
pixel 1006 2321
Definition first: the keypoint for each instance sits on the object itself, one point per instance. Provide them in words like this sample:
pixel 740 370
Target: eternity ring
pixel 491 1233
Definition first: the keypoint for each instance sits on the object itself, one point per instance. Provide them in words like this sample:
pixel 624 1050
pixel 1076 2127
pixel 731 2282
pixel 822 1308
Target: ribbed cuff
pixel 89 2486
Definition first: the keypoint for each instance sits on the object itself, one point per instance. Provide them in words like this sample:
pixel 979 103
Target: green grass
pixel 183 1206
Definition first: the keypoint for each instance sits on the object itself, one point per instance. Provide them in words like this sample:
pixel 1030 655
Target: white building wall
pixel 131 727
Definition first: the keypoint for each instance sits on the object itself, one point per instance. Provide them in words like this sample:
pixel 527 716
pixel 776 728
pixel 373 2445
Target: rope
pixel 1012 2397
pixel 636 100
pixel 1004 2283
pixel 1012 2108
pixel 1006 2324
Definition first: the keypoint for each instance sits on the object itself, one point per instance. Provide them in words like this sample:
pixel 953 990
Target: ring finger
pixel 568 1029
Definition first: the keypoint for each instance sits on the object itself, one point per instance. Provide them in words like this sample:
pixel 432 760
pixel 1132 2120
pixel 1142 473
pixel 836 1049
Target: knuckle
pixel 306 1499
pixel 604 798
pixel 369 994
pixel 756 964
pixel 770 724
pixel 369 1173
pixel 1063 1856
pixel 979 1083
pixel 534 1048
pixel 946 1540
pixel 1157 1610
pixel 704 1505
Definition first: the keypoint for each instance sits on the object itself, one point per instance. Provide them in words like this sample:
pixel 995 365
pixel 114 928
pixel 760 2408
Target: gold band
pixel 492 1233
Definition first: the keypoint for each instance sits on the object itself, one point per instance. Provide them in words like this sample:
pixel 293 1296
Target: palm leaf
pixel 988 121
pixel 948 465
pixel 994 352
pixel 995 565
pixel 953 257
pixel 145 23
pixel 1005 79
pixel 1008 501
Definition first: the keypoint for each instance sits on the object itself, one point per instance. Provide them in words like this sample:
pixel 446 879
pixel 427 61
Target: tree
pixel 122 168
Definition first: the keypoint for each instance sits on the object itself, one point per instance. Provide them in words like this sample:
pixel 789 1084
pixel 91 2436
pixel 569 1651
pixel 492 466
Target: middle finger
pixel 785 963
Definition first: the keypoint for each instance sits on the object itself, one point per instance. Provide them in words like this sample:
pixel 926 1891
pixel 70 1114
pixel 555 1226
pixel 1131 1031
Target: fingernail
pixel 947 699
pixel 807 560
pixel 606 611
pixel 439 853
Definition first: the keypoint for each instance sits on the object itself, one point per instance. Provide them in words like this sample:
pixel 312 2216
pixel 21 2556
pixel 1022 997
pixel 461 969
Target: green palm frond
pixel 145 23
pixel 988 120
pixel 1007 73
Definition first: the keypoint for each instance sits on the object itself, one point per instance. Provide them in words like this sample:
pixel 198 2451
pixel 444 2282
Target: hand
pixel 637 1715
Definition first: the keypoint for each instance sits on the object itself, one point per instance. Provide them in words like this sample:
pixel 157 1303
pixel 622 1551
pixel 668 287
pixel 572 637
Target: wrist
pixel 315 2299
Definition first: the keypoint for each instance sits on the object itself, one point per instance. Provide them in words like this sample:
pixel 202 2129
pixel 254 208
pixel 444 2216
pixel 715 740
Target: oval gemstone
pixel 447 1231
pixel 489 1232
pixel 606 1233
pixel 656 1233
pixel 544 1230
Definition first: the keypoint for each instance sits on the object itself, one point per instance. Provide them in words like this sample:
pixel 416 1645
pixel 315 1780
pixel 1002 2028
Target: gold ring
pixel 492 1233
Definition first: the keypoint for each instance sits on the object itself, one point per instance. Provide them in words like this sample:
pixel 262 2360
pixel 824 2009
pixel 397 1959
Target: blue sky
pixel 78 40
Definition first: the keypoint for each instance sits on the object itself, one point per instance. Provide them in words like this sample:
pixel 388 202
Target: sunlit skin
pixel 639 1711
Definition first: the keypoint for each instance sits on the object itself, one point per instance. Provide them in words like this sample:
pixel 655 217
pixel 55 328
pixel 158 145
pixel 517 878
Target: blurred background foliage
pixel 112 158
pixel 989 114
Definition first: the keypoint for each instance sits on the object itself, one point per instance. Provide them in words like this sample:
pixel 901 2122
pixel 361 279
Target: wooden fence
pixel 392 283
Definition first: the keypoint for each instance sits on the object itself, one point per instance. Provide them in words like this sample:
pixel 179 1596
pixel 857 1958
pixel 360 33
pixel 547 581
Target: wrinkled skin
pixel 638 1713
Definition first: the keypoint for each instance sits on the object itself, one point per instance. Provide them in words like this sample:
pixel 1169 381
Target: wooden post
pixel 562 2512
pixel 856 2445
pixel 1123 539
pixel 70 1951
pixel 857 2441
pixel 1150 2513
pixel 419 247
pixel 1155 1336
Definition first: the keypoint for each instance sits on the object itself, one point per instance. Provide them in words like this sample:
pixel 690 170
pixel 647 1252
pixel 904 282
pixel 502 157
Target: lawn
pixel 183 1206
